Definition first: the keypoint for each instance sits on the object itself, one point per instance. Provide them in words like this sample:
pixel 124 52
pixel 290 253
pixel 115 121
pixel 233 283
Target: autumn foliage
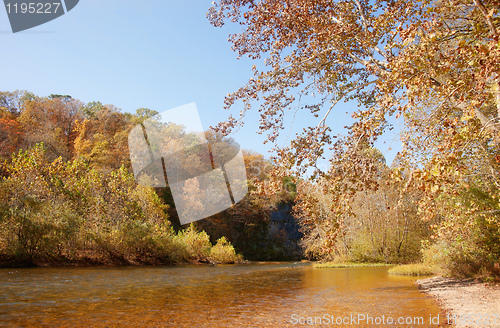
pixel 429 67
pixel 432 66
pixel 67 194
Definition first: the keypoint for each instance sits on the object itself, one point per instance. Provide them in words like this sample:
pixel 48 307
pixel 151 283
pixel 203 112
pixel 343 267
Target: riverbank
pixel 468 303
pixel 327 265
pixel 117 262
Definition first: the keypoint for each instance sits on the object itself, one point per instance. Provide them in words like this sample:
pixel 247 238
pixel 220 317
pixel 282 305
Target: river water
pixel 250 295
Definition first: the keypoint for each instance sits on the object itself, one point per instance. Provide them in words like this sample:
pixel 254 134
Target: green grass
pixel 417 269
pixel 347 265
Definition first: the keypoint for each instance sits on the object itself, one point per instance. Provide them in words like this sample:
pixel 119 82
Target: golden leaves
pixel 438 71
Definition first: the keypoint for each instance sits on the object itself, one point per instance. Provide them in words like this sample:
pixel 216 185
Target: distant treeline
pixel 68 195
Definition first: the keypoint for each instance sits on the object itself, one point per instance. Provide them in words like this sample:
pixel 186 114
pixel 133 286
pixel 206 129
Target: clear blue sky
pixel 157 54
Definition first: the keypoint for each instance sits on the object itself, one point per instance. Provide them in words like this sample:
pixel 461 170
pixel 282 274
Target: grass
pixel 347 265
pixel 417 269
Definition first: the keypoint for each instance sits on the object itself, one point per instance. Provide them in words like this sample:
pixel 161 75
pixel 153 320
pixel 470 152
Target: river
pixel 249 295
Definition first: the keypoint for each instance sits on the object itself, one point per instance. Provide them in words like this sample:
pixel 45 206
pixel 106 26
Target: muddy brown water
pixel 251 295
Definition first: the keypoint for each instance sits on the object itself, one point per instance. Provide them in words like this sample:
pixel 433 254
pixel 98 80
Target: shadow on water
pixel 256 295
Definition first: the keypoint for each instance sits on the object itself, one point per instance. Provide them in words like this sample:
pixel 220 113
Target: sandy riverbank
pixel 471 303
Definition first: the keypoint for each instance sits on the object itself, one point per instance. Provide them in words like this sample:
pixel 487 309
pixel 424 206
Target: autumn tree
pixel 11 134
pixel 102 136
pixel 52 121
pixel 11 102
pixel 11 131
pixel 432 63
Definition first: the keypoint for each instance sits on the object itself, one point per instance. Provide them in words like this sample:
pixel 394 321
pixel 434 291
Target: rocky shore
pixel 468 303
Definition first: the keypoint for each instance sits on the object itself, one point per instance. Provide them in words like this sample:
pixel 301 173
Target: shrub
pixel 223 252
pixel 52 212
pixel 196 245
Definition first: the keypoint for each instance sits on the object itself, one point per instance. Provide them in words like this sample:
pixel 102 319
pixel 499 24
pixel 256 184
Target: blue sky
pixel 158 54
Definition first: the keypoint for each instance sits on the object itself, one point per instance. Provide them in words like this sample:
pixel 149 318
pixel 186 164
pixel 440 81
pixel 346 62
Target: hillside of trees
pixel 68 194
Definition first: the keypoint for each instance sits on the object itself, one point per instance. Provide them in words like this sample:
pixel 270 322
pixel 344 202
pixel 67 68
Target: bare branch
pixel 487 17
pixel 323 120
pixel 362 15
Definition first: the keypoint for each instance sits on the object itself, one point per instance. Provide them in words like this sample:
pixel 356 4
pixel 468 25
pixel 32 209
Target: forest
pixel 429 67
pixel 68 195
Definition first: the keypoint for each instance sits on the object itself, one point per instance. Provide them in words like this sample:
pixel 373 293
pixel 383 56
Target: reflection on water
pixel 256 295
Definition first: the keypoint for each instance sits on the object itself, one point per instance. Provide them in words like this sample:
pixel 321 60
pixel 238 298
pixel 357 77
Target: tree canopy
pixel 433 65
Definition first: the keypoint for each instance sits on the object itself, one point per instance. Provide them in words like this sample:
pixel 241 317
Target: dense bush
pixel 223 252
pixel 56 211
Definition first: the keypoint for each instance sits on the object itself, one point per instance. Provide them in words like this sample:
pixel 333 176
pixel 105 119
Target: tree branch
pixel 323 120
pixel 487 17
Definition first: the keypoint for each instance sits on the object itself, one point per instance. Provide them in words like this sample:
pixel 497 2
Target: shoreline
pixel 472 303
pixel 104 263
pixel 110 264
